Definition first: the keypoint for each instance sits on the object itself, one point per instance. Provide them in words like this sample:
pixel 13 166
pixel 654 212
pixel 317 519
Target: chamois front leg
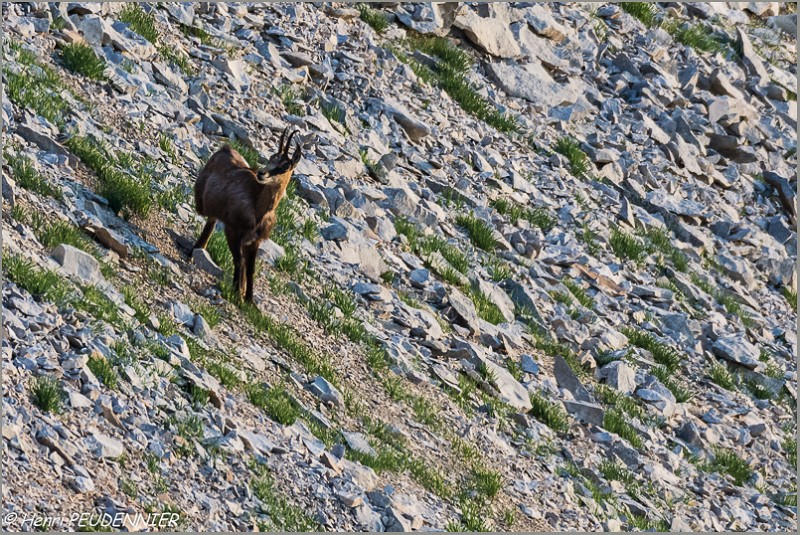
pixel 235 245
pixel 208 229
pixel 250 254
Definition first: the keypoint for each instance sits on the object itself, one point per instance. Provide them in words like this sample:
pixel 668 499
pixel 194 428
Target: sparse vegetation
pixel 538 217
pixel 450 73
pixel 719 374
pixel 576 158
pixel 38 282
pixel 141 22
pixel 283 515
pixel 103 370
pixel 615 421
pixel 480 232
pixel 36 87
pixel 374 18
pixel 29 178
pixel 127 191
pixel 550 413
pixel 485 307
pixel 663 354
pixel 627 246
pixel 727 462
pixel 48 394
pixel 791 297
pixel 81 59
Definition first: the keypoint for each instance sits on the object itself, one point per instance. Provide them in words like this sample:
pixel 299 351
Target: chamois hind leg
pixel 208 229
pixel 250 254
pixel 235 245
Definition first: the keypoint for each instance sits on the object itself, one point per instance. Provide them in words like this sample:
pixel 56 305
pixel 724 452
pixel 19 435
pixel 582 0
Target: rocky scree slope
pixel 535 271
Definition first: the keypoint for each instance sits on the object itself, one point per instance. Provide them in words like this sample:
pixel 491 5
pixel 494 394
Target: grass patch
pixel 283 515
pixel 425 245
pixel 220 253
pixel 615 421
pixel 374 18
pixel 729 303
pixel 719 374
pixel 275 401
pixel 644 12
pixel 789 446
pixel 627 246
pixel 81 59
pixel 103 370
pixel 128 192
pixel 549 413
pixel 40 283
pixel 537 217
pixel 28 177
pixel 450 74
pixel 48 394
pixel 36 87
pixel 679 390
pixel 620 402
pixel 576 158
pixel 480 232
pixel 727 462
pixel 140 22
pixel 498 269
pixel 53 233
pixel 696 36
pixel 485 307
pixel 663 354
pixel 579 292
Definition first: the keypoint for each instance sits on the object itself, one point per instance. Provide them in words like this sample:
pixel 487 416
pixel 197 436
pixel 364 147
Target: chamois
pixel 245 200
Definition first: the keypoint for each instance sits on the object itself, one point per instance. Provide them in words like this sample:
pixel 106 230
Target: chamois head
pixel 281 162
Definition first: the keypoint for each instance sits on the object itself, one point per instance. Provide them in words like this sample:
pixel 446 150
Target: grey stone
pixel 590 413
pixel 325 391
pixel 465 309
pixel 79 264
pixel 202 260
pixel 619 375
pixel 738 349
pixel 567 380
pixel 358 442
pixel 489 30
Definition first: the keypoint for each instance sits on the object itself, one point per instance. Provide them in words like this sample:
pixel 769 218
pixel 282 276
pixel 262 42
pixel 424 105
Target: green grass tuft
pixel 480 232
pixel 283 515
pixel 485 307
pixel 48 394
pixel 727 462
pixel 29 178
pixel 579 292
pixel 663 354
pixel 374 18
pixel 127 191
pixel 679 390
pixel 275 401
pixel 791 297
pixel 644 12
pixel 627 246
pixel 249 154
pixel 549 413
pixel 103 370
pixel 141 22
pixel 37 87
pixel 81 59
pixel 38 282
pixel 615 421
pixel 719 374
pixel 450 74
pixel 537 217
pixel 571 149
